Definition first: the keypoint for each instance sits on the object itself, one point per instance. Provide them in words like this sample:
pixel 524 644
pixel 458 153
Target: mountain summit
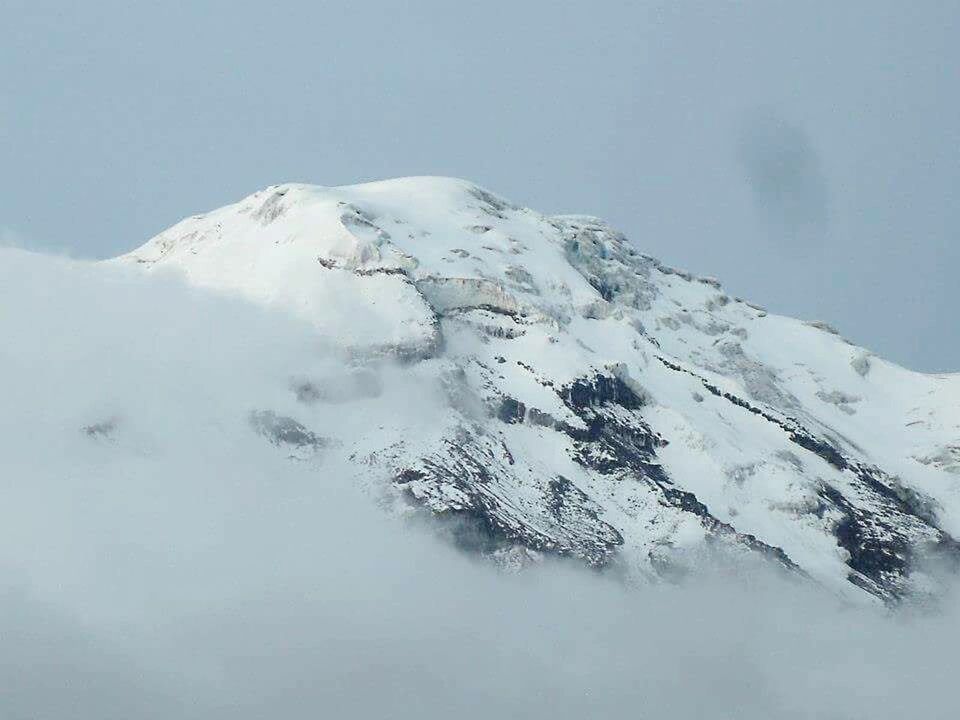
pixel 596 402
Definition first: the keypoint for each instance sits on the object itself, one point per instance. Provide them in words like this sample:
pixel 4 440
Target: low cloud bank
pixel 158 559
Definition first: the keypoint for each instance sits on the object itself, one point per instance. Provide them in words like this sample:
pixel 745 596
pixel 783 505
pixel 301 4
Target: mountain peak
pixel 603 405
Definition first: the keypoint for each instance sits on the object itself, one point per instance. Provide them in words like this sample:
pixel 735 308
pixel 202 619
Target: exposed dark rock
pixel 284 431
pixel 599 390
pixel 573 509
pixel 371 271
pixel 511 410
pixel 614 443
pixel 406 476
pixel 879 559
pixel 880 542
pixel 541 419
pixel 465 488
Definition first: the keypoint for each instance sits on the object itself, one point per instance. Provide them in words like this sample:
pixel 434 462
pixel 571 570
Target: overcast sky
pixel 807 154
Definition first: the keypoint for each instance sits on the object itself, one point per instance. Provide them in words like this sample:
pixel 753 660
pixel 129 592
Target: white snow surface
pixel 500 309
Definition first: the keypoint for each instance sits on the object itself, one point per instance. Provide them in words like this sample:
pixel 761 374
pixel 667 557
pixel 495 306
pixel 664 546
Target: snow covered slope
pixel 596 403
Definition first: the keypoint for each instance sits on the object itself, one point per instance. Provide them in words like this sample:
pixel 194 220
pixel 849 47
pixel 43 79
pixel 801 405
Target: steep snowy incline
pixel 597 402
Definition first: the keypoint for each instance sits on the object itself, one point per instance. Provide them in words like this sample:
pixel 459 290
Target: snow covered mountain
pixel 596 402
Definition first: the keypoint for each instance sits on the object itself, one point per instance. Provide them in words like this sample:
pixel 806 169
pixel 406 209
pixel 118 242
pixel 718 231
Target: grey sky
pixel 807 154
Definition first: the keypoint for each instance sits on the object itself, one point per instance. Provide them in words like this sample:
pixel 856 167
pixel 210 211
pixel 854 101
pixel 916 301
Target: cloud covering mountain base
pixel 158 559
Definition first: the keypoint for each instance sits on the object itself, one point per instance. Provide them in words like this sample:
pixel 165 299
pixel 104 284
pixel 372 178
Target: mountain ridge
pixel 598 403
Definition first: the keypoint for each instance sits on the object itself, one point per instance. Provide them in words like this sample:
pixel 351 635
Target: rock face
pixel 597 403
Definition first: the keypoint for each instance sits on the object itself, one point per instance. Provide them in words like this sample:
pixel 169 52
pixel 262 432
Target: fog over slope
pixel 158 559
pixel 596 402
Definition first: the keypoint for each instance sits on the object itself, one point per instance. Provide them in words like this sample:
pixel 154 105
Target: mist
pixel 160 559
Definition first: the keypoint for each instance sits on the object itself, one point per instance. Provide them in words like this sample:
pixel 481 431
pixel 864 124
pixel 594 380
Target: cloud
pixel 10 239
pixel 177 565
